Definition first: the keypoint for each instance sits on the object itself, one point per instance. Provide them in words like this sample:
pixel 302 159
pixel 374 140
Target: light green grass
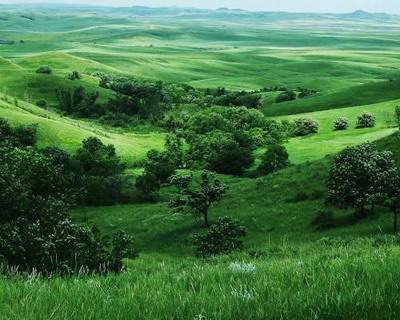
pixel 68 134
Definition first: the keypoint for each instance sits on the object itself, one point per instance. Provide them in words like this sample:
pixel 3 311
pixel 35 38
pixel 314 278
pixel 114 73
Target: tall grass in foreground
pixel 325 281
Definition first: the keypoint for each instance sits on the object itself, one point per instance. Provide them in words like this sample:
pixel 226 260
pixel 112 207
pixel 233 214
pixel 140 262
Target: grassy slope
pixel 55 130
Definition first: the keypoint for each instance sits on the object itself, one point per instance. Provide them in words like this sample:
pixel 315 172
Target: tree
pixel 392 196
pixel 366 120
pixel 197 197
pixel 98 159
pixel 305 126
pixel 357 177
pixel 44 70
pixel 221 238
pixel 274 159
pixel 74 75
pixel 341 123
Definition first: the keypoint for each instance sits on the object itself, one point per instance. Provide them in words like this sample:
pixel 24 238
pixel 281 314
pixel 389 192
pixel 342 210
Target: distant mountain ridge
pixel 191 13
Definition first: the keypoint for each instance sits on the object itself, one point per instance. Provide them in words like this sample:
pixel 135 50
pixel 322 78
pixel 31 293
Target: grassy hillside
pixel 55 130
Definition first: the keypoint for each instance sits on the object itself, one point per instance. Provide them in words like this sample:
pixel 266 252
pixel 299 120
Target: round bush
pixel 274 159
pixel 305 126
pixel 366 120
pixel 341 123
pixel 44 69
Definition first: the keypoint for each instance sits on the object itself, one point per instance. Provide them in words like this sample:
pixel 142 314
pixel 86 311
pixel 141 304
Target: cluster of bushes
pixel 223 139
pixel 364 120
pixel 37 188
pixel 222 97
pixel 77 101
pixel 44 70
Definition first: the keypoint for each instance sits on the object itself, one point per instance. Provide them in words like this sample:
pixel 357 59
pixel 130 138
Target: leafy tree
pixel 197 197
pixel 147 184
pixel 77 101
pixel 305 126
pixel 74 75
pixel 221 238
pixel 97 159
pixel 44 70
pixel 341 123
pixel 20 136
pixel 286 96
pixel 274 159
pixel 357 177
pixel 221 152
pixel 366 120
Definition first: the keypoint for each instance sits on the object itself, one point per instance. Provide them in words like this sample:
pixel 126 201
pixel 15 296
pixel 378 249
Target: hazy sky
pixel 391 6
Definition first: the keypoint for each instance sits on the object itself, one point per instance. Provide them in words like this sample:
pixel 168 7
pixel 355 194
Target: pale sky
pixel 390 6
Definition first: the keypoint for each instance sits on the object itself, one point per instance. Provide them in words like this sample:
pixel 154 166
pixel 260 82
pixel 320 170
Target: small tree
pixel 197 197
pixel 305 126
pixel 366 120
pixel 274 159
pixel 286 96
pixel 357 177
pixel 221 238
pixel 341 123
pixel 44 70
pixel 74 75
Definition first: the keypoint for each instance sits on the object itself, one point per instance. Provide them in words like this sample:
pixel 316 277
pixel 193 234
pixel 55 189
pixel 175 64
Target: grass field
pixel 353 63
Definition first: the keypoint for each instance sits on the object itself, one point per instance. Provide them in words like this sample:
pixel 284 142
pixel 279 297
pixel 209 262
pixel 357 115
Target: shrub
pixel 44 70
pixel 41 103
pixel 222 237
pixel 366 120
pixel 74 75
pixel 286 96
pixel 305 126
pixel 147 184
pixel 274 159
pixel 341 123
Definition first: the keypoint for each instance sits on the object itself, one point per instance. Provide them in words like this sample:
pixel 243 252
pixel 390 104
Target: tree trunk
pixel 205 215
pixel 395 222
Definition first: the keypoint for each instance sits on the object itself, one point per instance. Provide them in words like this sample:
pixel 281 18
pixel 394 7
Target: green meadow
pixel 289 269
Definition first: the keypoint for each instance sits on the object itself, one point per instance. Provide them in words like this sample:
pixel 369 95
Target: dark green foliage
pixel 223 139
pixel 238 99
pixel 392 196
pixel 397 115
pixel 341 123
pixel 21 136
pixel 148 184
pixel 41 103
pixel 197 197
pixel 99 170
pixel 222 237
pixel 35 230
pixel 44 70
pixel 323 219
pixel 357 177
pixel 304 92
pixel 274 159
pixel 221 152
pixel 286 96
pixel 98 159
pixel 305 126
pixel 366 120
pixel 77 102
pixel 74 75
